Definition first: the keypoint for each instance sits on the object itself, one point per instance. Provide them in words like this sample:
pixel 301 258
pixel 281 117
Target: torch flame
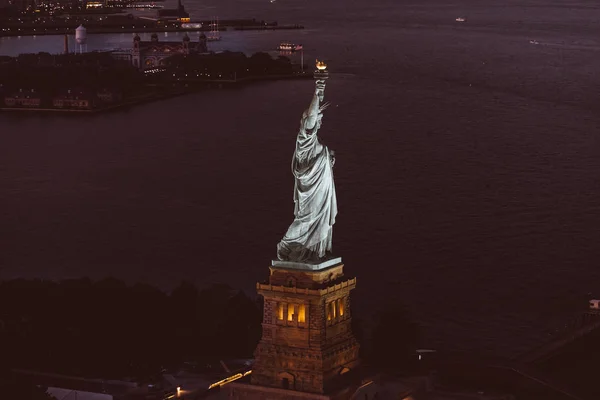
pixel 321 65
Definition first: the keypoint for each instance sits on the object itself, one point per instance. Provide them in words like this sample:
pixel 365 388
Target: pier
pixel 120 24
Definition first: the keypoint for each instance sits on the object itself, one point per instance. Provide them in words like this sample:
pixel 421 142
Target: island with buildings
pixel 150 70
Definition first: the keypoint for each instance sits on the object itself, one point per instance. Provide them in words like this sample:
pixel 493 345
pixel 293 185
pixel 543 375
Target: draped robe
pixel 309 237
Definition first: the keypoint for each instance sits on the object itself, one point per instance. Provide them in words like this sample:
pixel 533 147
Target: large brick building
pixel 150 54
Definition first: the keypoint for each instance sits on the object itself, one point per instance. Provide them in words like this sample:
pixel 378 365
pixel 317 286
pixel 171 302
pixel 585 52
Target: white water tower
pixel 81 38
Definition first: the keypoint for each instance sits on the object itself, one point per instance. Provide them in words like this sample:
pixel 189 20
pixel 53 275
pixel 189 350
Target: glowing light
pixel 341 305
pixel 225 381
pixel 229 379
pixel 280 311
pixel 191 26
pixel 365 384
pixel 301 313
pixel 321 66
pixel 331 311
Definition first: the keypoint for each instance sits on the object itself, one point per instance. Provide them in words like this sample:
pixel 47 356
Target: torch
pixel 321 75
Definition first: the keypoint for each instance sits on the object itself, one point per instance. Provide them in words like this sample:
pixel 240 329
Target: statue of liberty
pixel 308 239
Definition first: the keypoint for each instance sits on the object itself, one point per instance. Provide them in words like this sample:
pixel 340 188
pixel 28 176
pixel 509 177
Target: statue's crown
pixel 321 65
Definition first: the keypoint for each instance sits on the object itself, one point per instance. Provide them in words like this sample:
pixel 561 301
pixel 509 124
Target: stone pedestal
pixel 307 342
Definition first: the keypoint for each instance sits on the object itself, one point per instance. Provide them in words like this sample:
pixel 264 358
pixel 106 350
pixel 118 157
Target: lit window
pixel 331 311
pixel 341 305
pixel 280 311
pixel 291 309
pixel 301 313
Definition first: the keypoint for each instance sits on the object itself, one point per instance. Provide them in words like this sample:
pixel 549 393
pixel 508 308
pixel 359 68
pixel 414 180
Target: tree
pixel 240 328
pixel 259 63
pixel 184 298
pixel 109 329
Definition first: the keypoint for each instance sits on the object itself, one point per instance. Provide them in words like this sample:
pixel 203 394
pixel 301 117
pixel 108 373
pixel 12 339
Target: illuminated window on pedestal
pixel 280 311
pixel 301 313
pixel 331 311
pixel 340 306
pixel 291 312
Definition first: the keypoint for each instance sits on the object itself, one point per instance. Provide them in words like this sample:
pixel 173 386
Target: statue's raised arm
pixel 309 237
pixel 317 106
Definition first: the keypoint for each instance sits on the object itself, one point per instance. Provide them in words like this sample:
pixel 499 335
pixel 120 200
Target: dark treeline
pixel 47 72
pixel 227 65
pixel 47 75
pixel 112 330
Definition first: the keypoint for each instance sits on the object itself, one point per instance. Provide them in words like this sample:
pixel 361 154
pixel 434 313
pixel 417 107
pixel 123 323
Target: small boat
pixel 461 19
pixel 288 47
pixel 534 42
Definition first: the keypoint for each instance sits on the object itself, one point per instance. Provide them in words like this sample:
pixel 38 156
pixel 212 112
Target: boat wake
pixel 571 46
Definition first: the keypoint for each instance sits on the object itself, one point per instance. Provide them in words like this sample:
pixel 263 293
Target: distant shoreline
pixel 108 30
pixel 108 107
pixel 190 87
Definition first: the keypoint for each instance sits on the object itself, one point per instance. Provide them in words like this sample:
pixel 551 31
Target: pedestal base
pixel 307 266
pixel 307 343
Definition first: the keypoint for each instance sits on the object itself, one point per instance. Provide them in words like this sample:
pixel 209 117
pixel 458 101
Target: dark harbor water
pixel 467 168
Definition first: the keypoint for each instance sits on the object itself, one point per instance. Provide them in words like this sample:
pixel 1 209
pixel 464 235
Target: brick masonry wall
pixel 306 354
